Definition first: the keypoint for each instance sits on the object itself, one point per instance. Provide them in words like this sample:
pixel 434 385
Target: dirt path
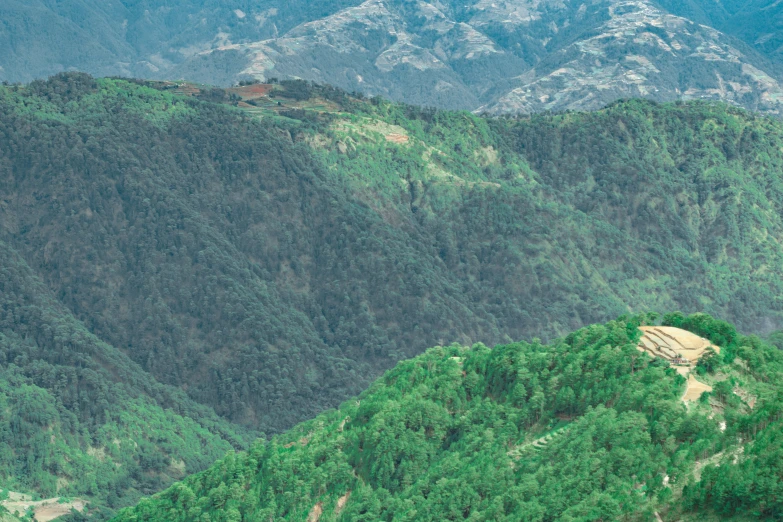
pixel 341 502
pixel 315 513
pixel 694 389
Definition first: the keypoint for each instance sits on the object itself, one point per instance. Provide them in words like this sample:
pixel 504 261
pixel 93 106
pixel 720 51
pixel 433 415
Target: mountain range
pixel 506 56
pixel 186 269
pixel 250 267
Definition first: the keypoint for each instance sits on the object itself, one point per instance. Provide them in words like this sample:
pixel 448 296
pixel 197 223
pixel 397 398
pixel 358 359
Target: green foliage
pixel 748 480
pixel 467 433
pixel 164 257
pixel 77 417
pixel 657 206
pixel 709 361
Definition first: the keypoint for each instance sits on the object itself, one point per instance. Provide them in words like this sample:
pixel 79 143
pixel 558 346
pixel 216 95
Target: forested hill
pixel 586 428
pixel 267 256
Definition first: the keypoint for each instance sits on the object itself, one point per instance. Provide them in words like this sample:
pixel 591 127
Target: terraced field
pixel 42 510
pixel 673 343
pixel 682 349
pixel 539 443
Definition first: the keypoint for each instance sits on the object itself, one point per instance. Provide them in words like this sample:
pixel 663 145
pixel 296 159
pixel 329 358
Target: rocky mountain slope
pixel 506 56
pixel 756 22
pixel 135 38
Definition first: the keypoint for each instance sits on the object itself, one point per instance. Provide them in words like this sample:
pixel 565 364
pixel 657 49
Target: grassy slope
pixel 446 436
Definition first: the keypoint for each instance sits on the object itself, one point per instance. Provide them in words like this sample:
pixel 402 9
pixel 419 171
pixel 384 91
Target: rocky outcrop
pixel 510 57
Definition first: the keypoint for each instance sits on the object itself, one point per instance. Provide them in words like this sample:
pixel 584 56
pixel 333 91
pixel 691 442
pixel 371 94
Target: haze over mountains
pixel 501 57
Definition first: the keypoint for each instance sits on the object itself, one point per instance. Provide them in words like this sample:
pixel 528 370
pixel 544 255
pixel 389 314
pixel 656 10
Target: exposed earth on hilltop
pixel 682 349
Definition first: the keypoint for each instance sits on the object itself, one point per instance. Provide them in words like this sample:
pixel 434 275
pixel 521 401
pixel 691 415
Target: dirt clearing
pixel 43 510
pixel 341 502
pixel 397 138
pixel 315 513
pixel 674 343
pixel 682 349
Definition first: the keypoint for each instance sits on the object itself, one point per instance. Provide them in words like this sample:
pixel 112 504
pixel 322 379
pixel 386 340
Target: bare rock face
pixel 641 51
pixel 495 56
pixel 513 56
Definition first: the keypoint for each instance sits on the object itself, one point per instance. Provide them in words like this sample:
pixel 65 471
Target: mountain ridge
pixel 501 57
pixel 610 50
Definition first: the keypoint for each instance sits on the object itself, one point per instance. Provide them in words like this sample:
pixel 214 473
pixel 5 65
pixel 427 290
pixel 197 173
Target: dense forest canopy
pixel 201 270
pixel 586 428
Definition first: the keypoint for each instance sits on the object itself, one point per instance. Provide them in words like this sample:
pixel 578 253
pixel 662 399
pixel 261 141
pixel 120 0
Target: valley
pixel 391 260
pixel 188 269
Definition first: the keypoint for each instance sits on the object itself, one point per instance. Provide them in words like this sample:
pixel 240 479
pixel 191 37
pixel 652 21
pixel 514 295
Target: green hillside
pixel 187 268
pixel 576 216
pixel 585 428
pixel 78 417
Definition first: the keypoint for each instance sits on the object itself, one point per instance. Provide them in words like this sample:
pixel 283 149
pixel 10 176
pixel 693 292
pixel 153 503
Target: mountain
pixel 39 38
pixel 585 428
pixel 78 416
pixel 189 267
pixel 755 22
pixel 507 56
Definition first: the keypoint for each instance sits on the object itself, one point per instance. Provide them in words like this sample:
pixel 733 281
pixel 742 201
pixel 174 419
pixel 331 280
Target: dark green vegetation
pixel 586 428
pixel 188 274
pixel 77 416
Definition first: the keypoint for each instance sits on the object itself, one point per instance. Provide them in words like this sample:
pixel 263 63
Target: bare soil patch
pixel 683 370
pixel 682 349
pixel 315 513
pixel 749 399
pixel 43 510
pixel 341 502
pixel 672 343
pixel 397 138
pixel 47 512
pixel 694 389
pixel 252 91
